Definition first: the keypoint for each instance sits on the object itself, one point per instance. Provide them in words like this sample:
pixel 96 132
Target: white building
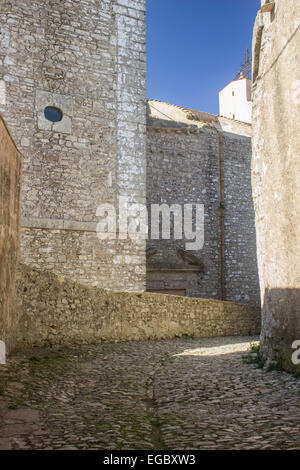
pixel 235 100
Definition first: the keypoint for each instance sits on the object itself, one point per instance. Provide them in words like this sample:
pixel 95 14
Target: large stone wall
pixel 58 311
pixel 182 166
pixel 10 187
pixel 186 150
pixel 276 175
pixel 86 58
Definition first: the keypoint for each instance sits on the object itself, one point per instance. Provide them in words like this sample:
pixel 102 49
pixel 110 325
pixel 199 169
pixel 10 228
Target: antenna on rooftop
pixel 245 69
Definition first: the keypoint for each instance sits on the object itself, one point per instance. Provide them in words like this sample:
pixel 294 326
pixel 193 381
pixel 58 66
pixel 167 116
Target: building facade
pixel 198 158
pixel 72 90
pixel 10 210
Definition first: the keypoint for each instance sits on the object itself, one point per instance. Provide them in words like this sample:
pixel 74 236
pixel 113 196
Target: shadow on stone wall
pixel 281 326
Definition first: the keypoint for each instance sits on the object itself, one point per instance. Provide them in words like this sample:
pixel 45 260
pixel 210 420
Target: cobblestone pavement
pixel 179 394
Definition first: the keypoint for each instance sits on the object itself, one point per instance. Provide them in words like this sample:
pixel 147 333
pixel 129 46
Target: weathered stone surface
pixel 2 92
pixel 86 58
pixel 59 311
pixel 184 149
pixel 276 175
pixel 10 187
pixel 180 394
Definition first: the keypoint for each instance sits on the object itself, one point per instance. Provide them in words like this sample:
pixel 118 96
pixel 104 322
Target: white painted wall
pixel 235 100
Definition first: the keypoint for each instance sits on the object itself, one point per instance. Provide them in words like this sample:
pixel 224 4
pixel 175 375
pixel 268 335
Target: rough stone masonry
pixel 276 174
pixel 84 63
pixel 86 59
pixel 199 158
pixel 10 189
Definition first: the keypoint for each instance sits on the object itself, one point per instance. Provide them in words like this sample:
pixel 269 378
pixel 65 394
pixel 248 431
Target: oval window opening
pixel 53 114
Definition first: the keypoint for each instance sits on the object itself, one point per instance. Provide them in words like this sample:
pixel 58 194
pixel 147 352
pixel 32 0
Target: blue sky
pixel 195 47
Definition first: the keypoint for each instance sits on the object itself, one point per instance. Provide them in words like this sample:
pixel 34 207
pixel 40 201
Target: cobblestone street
pixel 179 394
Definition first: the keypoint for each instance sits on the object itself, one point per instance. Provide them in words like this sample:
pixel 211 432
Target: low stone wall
pixel 10 186
pixel 59 311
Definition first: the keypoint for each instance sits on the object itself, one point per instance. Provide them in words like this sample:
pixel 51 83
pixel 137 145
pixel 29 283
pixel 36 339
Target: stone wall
pixel 241 272
pixel 182 167
pixel 10 187
pixel 86 58
pixel 58 311
pixel 276 174
pixel 194 157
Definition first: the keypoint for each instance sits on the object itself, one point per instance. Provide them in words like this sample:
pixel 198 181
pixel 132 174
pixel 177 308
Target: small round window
pixel 53 114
